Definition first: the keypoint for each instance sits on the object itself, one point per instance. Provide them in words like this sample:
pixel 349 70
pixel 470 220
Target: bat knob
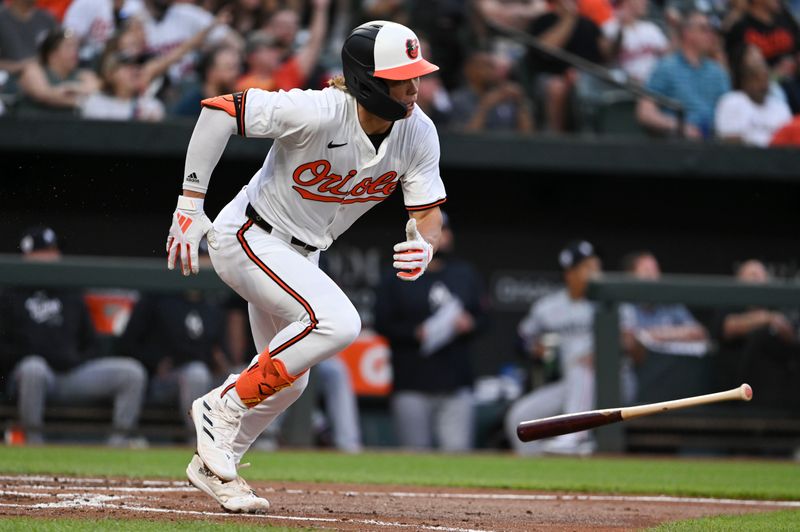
pixel 746 392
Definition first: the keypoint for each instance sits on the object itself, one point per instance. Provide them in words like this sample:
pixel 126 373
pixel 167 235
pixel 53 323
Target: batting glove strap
pixel 189 225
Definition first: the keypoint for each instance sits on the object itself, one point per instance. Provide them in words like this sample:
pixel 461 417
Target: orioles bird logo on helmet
pixel 412 48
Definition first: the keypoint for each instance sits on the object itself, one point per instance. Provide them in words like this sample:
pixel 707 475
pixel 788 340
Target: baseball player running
pixel 337 152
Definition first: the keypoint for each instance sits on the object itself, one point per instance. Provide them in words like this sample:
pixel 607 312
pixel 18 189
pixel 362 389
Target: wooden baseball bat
pixel 566 423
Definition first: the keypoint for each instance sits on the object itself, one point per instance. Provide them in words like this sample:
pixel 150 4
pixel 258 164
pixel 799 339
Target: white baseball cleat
pixel 216 420
pixel 234 496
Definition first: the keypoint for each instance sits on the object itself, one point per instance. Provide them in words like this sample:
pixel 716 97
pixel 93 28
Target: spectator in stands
pixel 767 25
pixel 430 325
pixel 168 23
pixel 770 26
pixel 638 44
pixel 248 16
pixel 272 65
pixel 601 12
pixel 787 136
pixel 268 66
pixel 284 24
pixel 488 101
pixel 131 41
pixel 23 27
pixel 120 97
pixel 179 338
pixel 563 27
pixel 54 84
pixel 394 10
pixel 219 70
pixel 751 114
pixel 690 77
pixel 759 346
pixel 94 22
pixel 50 335
pixel 666 329
pixel 561 323
pixel 434 100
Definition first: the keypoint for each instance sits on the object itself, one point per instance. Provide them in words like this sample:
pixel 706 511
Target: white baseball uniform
pixel 572 321
pixel 321 174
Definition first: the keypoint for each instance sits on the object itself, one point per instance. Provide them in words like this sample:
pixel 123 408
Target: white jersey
pixel 570 319
pixel 643 43
pixel 93 22
pixel 179 23
pixel 739 116
pixel 322 172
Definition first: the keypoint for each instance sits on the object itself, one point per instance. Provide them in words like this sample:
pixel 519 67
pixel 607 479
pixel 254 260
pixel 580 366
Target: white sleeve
pixel 422 185
pixel 79 17
pixel 729 118
pixel 209 138
pixel 281 114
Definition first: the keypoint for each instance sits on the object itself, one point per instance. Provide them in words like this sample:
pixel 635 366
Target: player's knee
pixel 347 326
pixel 33 368
pixel 132 373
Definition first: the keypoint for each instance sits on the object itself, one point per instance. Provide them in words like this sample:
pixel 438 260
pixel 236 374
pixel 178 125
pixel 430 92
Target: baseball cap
pixel 574 253
pixel 37 238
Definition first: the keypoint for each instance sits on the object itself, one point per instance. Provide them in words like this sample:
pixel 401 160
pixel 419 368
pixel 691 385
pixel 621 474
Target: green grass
pixel 760 522
pixel 686 477
pixel 129 525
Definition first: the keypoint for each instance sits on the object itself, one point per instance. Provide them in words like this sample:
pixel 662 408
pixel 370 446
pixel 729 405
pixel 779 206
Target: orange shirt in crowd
pixel 287 76
pixel 788 135
pixel 598 11
pixel 57 8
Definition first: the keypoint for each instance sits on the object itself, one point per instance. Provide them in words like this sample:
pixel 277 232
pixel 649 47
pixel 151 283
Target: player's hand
pixel 412 256
pixel 189 224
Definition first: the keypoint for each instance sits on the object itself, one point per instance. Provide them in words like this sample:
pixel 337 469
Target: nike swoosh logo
pixel 332 145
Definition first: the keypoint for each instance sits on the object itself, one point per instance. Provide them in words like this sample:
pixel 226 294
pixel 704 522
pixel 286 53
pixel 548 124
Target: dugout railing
pixel 741 428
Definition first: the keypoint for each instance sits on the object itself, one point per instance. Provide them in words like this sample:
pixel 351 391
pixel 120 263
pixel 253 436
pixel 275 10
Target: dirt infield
pixel 359 507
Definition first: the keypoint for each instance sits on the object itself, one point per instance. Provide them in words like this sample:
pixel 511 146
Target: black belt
pixel 263 224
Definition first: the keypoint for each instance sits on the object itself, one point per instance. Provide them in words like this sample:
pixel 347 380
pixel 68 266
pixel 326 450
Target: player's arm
pixel 429 225
pixel 218 120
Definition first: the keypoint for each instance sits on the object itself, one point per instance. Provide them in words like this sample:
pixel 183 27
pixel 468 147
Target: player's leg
pixel 193 379
pixel 454 421
pixel 579 378
pixel 121 379
pixel 412 413
pixel 340 403
pixel 264 327
pixel 281 281
pixel 545 401
pixel 32 379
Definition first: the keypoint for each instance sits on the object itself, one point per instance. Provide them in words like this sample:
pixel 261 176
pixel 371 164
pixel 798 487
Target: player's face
pixel 404 91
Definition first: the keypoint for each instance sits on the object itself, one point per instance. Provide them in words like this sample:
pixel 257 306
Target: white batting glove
pixel 413 255
pixel 189 224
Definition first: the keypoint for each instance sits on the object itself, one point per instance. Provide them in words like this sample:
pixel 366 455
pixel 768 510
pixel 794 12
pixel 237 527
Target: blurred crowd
pixel 130 351
pixel 732 65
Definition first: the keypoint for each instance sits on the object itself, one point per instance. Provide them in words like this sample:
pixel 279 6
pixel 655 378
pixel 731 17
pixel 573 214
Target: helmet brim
pixel 409 71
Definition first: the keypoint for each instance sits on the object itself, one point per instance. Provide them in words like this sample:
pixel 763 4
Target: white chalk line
pixel 181 486
pixel 82 500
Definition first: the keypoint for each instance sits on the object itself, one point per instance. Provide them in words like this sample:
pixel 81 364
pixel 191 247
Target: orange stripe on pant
pixel 268 376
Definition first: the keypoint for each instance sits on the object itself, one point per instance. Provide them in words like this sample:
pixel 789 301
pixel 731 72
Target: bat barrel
pixel 558 425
